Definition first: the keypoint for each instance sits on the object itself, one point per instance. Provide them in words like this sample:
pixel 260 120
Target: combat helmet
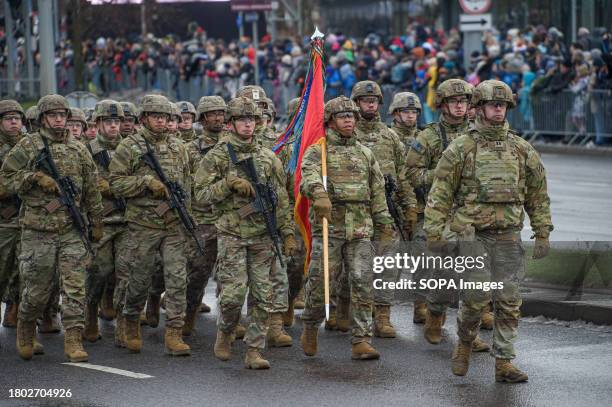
pixel 366 88
pixel 176 112
pixel 339 105
pixel 9 105
pixel 242 107
pixel 292 106
pixel 210 104
pixel 48 103
pixel 253 92
pixel 492 90
pixel 187 107
pixel 129 109
pixel 451 88
pixel 155 104
pixel 78 115
pixel 108 108
pixel 405 100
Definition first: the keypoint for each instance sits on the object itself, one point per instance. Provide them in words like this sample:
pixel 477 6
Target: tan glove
pixel 322 206
pixel 97 231
pixel 541 248
pixel 47 183
pixel 104 188
pixel 241 186
pixel 289 246
pixel 410 222
pixel 158 189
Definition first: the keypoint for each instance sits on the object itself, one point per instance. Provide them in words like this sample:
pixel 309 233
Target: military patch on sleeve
pixel 418 147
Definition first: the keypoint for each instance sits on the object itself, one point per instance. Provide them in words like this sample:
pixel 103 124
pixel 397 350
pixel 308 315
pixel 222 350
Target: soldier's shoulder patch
pixel 417 146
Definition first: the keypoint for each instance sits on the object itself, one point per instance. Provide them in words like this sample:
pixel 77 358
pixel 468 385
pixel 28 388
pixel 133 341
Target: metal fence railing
pixel 572 117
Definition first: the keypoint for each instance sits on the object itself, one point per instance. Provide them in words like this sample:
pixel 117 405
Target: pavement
pixel 568 365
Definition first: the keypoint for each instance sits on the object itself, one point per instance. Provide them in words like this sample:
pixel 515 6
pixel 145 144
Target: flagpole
pixel 325 234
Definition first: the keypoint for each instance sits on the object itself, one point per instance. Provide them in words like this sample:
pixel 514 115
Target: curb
pixel 572 150
pixel 568 310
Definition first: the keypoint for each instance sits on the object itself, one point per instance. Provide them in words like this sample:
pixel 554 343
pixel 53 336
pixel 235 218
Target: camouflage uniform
pixel 245 254
pixel 9 221
pixel 153 228
pixel 389 152
pixel 187 135
pixel 31 119
pixel 421 161
pixel 493 177
pixel 264 135
pixel 106 261
pixel 200 266
pixel 406 133
pixel 129 110
pixel 50 245
pixel 356 191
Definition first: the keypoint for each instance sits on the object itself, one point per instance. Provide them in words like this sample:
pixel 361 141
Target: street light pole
pixel 48 82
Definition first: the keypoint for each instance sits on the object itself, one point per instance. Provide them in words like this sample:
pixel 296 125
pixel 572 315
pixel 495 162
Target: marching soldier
pixel 493 177
pixel 237 170
pixel 405 109
pixel 154 228
pixel 188 116
pixel 77 124
pixel 46 169
pixel 31 119
pixel 263 133
pixel 355 206
pixel 129 125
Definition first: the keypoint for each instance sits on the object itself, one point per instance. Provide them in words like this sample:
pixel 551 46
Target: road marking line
pixel 592 184
pixel 108 369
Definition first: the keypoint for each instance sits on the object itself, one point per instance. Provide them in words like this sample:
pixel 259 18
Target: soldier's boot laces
pixel 364 351
pixel 73 347
pixel 480 346
pixel 10 315
pixel 91 333
pixel 506 372
pixel 332 323
pixel 289 315
pixel 433 327
pixel 223 346
pixel 120 341
pixel 49 323
pixel 204 308
pixel 383 328
pixel 277 337
pixel 254 360
pixel 299 300
pixel 486 320
pixel 107 311
pixel 460 361
pixel 133 340
pixel 420 312
pixel 309 339
pixel 25 339
pixel 343 315
pixel 239 332
pixel 190 320
pixel 152 313
pixel 174 342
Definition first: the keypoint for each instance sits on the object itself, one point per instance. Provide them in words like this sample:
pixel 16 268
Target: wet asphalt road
pixel 569 365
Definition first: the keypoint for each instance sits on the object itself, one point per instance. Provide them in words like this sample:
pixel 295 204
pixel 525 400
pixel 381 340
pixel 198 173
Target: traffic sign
pixel 474 22
pixel 475 6
pixel 251 5
pixel 251 17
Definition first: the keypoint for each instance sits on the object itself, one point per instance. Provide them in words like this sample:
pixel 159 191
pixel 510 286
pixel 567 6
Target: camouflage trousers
pixel 295 268
pixel 280 287
pixel 504 262
pixel 418 245
pixel 143 244
pixel 200 266
pixel 105 262
pixel 46 257
pixel 385 296
pixel 356 258
pixel 439 300
pixel 245 264
pixel 9 270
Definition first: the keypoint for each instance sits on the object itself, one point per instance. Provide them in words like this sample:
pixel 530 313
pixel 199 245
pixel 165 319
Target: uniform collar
pixel 335 139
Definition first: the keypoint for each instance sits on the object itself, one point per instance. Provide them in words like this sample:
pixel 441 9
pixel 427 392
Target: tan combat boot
pixel 204 308
pixel 120 331
pixel 480 346
pixel 420 312
pixel 49 323
pixel 289 315
pixel 364 351
pixel 433 327
pixel 174 342
pixel 309 339
pixel 223 346
pixel 343 316
pixel 487 319
pixel 10 315
pixel 91 333
pixel 506 372
pixel 461 358
pixel 25 339
pixel 37 347
pixel 189 325
pixel 277 337
pixel 383 328
pixel 254 360
pixel 73 347
pixel 332 323
pixel 152 312
pixel 107 311
pixel 133 340
pixel 299 300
